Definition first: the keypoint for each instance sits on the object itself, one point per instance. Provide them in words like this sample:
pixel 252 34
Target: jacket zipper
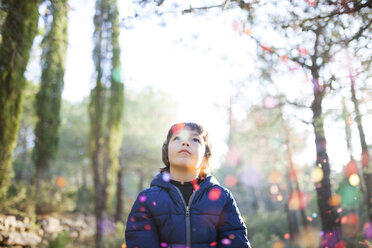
pixel 187 215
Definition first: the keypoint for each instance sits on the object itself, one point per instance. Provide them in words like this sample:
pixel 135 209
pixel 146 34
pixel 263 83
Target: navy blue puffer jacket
pixel 160 218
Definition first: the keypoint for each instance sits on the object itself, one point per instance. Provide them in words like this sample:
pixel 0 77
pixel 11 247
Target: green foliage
pixel 48 99
pixel 116 238
pixel 54 199
pixel 18 32
pixel 22 163
pixel 61 241
pixel 264 228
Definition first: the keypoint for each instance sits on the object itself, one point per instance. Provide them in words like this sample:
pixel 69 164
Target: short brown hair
pixel 202 132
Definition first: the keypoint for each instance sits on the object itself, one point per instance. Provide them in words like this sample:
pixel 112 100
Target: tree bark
pixel 328 214
pixel 18 32
pixel 119 213
pixel 48 99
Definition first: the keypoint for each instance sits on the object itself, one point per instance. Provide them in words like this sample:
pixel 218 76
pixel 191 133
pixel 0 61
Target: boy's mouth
pixel 184 150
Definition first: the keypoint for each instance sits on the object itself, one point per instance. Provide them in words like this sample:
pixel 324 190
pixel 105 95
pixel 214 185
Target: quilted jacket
pixel 160 218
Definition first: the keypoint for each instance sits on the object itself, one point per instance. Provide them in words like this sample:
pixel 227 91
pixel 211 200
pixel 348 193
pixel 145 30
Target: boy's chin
pixel 184 167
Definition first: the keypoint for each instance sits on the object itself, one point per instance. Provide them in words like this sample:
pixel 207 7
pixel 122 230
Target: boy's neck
pixel 183 176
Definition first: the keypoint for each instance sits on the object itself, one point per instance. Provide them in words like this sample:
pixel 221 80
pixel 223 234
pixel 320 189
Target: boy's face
pixel 186 149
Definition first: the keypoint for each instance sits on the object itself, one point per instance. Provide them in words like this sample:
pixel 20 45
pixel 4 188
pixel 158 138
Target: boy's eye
pixel 195 139
pixel 176 137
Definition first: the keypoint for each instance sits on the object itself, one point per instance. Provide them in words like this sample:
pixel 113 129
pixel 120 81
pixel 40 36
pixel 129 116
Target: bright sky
pixel 195 58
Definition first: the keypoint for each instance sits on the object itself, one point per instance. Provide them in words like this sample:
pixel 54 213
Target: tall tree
pixel 114 135
pixel 17 34
pixel 106 131
pixel 48 99
pixel 366 166
pixel 313 32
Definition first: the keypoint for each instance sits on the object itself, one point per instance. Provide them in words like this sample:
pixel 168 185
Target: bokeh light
pixel 351 168
pixel 354 180
pixel 307 237
pixel 278 244
pixel 334 200
pixel 274 189
pixel 367 230
pixel 275 176
pixel 316 174
pixel 234 157
pixel 230 181
pixel 61 182
pixel 298 200
pixel 349 224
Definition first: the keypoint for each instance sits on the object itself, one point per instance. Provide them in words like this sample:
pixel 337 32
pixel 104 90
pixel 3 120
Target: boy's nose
pixel 185 143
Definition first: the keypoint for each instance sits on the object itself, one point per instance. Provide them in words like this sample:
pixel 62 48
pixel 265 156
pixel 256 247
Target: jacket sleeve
pixel 141 230
pixel 232 231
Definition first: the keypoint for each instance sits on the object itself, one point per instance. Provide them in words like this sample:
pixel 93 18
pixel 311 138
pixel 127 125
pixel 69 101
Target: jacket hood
pixel 163 180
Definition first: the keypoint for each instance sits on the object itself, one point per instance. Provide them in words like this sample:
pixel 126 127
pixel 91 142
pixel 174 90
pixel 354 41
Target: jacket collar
pixel 162 180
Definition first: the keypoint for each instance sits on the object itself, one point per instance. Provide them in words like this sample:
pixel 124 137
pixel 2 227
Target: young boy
pixel 185 207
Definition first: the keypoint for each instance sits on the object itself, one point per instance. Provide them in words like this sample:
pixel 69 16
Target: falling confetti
pixel 214 194
pixel 166 176
pixel 286 236
pixel 177 128
pixel 311 2
pixel 237 26
pixel 226 241
pixel 270 102
pixel 303 51
pixel 284 58
pixel 247 31
pixel 142 198
pixel 213 244
pixel 266 48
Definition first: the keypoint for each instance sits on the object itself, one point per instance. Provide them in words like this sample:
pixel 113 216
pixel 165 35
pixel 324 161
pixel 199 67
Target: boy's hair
pixel 202 132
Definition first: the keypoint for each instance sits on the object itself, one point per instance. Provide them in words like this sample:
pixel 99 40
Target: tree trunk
pixel 141 181
pixel 48 99
pixel 328 214
pixel 292 176
pixel 18 32
pixel 366 167
pixel 119 213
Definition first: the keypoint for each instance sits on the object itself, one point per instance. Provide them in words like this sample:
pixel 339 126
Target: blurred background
pixel 89 90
